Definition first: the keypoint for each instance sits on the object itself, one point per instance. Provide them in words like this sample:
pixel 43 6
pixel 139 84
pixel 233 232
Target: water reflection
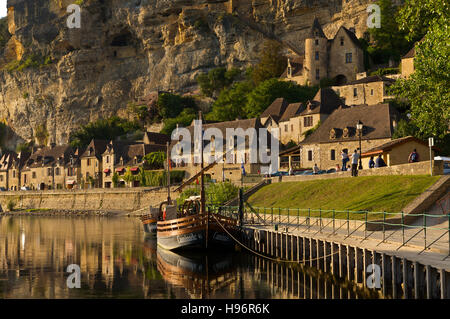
pixel 118 260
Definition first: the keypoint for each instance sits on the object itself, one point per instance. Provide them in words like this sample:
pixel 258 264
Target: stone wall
pixel 420 168
pixel 96 199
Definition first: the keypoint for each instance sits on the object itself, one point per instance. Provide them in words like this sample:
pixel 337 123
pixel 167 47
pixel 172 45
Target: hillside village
pixel 331 118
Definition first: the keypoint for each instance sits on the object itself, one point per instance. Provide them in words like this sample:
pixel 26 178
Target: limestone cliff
pixel 127 48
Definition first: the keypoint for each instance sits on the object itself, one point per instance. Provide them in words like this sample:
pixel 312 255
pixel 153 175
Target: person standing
pixel 345 159
pixel 371 162
pixel 355 157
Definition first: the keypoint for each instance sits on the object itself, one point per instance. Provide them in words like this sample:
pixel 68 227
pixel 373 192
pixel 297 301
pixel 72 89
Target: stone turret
pixel 316 55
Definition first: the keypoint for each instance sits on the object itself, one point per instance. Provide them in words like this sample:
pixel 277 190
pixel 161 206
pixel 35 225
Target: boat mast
pixel 202 192
pixel 169 201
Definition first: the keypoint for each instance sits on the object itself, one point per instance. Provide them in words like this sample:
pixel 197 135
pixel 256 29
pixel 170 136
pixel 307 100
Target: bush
pixel 11 205
pixel 385 71
pixel 219 193
pixel 159 178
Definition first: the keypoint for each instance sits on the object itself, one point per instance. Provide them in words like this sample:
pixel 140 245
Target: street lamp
pixel 359 127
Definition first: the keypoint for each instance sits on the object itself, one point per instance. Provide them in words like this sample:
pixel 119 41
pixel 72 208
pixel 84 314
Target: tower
pixel 316 54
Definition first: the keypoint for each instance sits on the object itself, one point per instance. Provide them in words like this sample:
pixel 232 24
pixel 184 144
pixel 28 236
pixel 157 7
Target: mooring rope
pixel 267 257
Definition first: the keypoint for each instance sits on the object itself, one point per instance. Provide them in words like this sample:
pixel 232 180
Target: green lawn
pixel 371 193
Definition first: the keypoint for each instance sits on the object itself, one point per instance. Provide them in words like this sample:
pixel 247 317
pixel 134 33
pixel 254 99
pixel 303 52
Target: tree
pixel 389 40
pixel 271 64
pixel 115 179
pixel 155 160
pixel 128 177
pixel 216 80
pixel 41 134
pixel 229 105
pixel 266 92
pixel 104 129
pixel 171 105
pixel 427 89
pixel 185 118
pixel 416 17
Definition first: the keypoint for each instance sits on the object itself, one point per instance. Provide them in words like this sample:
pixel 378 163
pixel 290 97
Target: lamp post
pixel 359 127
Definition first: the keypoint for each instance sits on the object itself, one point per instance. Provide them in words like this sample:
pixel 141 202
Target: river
pixel 118 260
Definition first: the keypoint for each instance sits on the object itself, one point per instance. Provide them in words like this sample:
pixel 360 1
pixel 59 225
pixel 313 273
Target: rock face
pixel 126 49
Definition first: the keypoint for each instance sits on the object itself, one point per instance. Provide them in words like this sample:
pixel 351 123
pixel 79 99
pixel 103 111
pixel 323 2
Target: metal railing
pixel 387 227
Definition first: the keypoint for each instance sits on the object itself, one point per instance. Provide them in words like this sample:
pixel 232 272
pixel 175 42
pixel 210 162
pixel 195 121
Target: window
pixel 355 92
pixel 24 178
pixel 87 176
pixel 33 175
pixel 49 171
pixel 308 121
pixel 317 55
pixel 292 127
pixel 348 58
pixel 317 74
pixel 1 178
pixel 317 41
pixel 57 171
pixel 310 156
pixel 371 92
pixel 88 162
pixel 14 174
pixel 107 159
pixel 286 128
pixel 342 42
pixel 333 155
pixel 289 71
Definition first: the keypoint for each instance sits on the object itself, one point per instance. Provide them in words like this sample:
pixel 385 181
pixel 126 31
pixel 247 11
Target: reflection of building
pixel 340 58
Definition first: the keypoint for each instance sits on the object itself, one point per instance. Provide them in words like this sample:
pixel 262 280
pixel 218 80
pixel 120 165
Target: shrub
pixel 11 205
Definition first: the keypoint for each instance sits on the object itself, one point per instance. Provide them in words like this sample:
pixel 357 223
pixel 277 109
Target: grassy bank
pixel 372 193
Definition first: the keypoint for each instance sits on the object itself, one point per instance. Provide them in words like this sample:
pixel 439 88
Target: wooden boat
pixel 191 229
pixel 149 221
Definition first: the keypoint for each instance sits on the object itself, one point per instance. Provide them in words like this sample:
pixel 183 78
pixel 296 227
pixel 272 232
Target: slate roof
pixel 292 110
pixel 392 144
pixel 411 54
pixel 316 27
pixel 325 102
pixel 156 138
pixel 296 65
pixel 371 79
pixel 276 109
pixel 48 156
pixel 377 121
pixel 95 148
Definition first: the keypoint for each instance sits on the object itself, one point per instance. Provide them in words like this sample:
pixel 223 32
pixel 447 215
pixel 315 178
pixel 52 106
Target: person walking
pixel 315 169
pixel 379 162
pixel 355 157
pixel 371 162
pixel 413 157
pixel 345 159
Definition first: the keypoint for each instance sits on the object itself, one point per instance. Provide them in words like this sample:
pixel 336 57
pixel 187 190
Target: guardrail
pixel 385 226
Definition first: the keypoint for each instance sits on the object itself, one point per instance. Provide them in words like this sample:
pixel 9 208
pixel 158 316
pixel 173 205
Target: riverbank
pixel 64 212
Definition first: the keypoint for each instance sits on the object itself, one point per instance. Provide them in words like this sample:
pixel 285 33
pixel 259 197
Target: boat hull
pixel 190 233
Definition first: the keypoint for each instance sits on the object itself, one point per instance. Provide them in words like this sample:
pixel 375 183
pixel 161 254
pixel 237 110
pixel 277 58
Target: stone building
pixel 369 91
pixel 340 58
pixel 121 156
pixel 46 168
pixel 226 171
pixel 407 66
pixel 298 119
pixel 10 165
pixel 338 132
pixel 397 151
pixel 91 163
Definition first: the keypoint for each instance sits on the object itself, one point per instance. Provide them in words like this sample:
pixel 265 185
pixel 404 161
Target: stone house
pixel 407 65
pixel 10 165
pixel 120 156
pixel 369 91
pixel 46 167
pixel 397 151
pixel 338 132
pixel 339 58
pixel 299 118
pixel 226 171
pixel 91 163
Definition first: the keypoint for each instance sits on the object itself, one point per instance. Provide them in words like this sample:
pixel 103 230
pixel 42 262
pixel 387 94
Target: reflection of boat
pixel 198 273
